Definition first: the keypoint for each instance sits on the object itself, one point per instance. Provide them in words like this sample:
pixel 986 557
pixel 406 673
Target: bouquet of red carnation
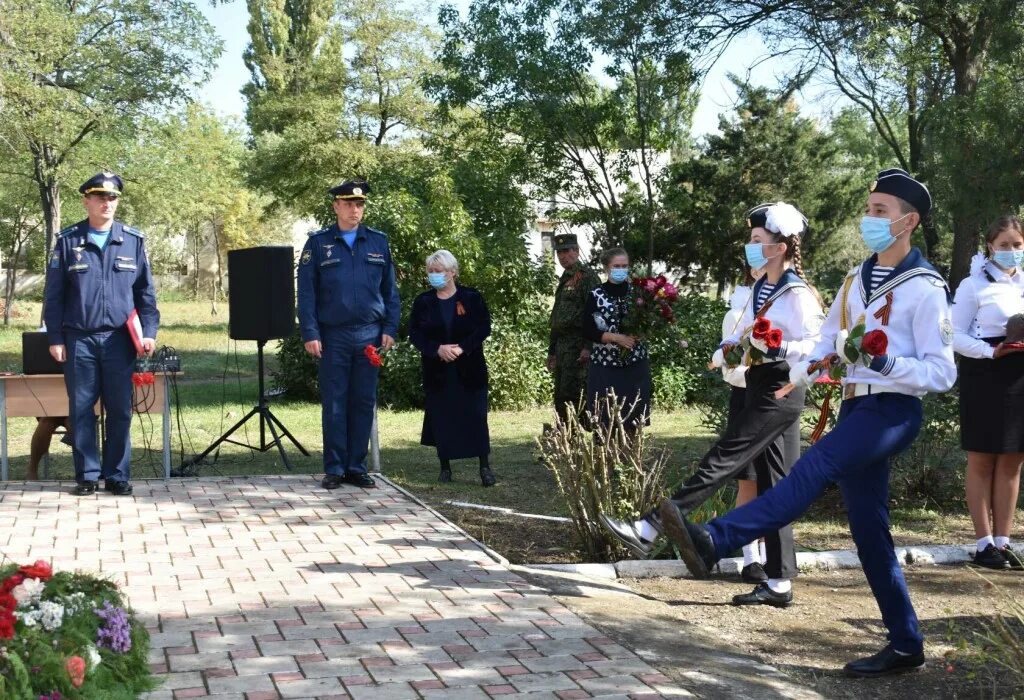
pixel 373 355
pixel 653 307
pixel 761 330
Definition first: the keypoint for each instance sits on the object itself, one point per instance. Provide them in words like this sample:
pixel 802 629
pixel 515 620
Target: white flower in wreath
pixel 28 591
pixel 92 656
pixel 51 615
pixel 30 619
pixel 599 321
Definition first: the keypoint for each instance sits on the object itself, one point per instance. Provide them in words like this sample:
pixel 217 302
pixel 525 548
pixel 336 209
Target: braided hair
pixel 793 253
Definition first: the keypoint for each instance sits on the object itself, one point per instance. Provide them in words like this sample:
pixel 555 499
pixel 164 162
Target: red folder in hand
pixel 134 326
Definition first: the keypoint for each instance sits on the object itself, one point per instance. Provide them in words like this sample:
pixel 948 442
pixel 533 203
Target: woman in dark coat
pixel 448 325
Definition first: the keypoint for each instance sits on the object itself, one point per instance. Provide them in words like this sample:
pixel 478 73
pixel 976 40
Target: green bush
pixel 680 357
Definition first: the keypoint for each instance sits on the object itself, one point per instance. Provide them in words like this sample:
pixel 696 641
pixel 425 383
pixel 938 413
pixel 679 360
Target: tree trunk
pixel 49 198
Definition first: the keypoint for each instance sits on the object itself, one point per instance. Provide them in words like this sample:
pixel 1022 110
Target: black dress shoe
pixel 991 558
pixel 84 488
pixel 627 534
pixel 118 488
pixel 753 573
pixel 487 477
pixel 1013 558
pixel 332 481
pixel 445 477
pixel 884 663
pixel 763 595
pixel 361 479
pixel 694 542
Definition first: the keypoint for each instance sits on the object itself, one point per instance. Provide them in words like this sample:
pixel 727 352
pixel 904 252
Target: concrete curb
pixel 806 561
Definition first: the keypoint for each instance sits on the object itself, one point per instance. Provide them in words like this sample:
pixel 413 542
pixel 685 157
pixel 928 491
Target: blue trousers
pixel 99 366
pixel 855 455
pixel 348 394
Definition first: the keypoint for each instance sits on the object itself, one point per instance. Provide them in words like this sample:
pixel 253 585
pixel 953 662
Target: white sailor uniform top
pixel 792 308
pixel 984 301
pixel 911 305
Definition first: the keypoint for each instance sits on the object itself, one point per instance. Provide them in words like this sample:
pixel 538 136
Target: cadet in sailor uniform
pixel 897 291
pixel 992 390
pixel 757 432
pixel 97 275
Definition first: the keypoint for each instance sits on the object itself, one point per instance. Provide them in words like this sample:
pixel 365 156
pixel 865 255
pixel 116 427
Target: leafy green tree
pixel 71 71
pixel 530 69
pixel 766 152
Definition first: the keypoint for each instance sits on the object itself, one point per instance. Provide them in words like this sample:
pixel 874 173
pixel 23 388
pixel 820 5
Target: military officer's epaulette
pixel 318 231
pixel 133 231
pixel 70 229
pixel 373 230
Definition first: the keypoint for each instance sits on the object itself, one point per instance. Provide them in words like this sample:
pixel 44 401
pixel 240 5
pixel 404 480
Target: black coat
pixel 470 327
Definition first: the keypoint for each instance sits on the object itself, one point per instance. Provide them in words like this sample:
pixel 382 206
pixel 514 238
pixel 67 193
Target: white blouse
pixel 981 308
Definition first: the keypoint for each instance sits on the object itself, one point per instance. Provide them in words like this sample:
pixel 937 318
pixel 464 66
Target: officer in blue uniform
pixel 348 300
pixel 98 273
pixel 898 293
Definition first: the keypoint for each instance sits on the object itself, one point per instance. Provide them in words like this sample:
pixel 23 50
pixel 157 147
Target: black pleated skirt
pixel 992 404
pixel 737 400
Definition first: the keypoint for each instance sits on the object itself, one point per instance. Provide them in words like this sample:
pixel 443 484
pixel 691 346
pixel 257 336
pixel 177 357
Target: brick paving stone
pixel 269 587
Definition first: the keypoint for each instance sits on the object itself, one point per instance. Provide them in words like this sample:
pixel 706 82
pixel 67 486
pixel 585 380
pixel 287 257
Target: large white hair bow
pixel 784 219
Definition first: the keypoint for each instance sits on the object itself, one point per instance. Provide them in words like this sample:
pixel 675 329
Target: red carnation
pixel 773 339
pixel 40 570
pixel 761 328
pixel 11 582
pixel 7 601
pixel 6 624
pixel 875 343
pixel 373 356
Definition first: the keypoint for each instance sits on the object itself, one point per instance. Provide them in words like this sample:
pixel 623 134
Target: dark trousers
pixel 99 366
pixel 758 434
pixel 348 394
pixel 855 455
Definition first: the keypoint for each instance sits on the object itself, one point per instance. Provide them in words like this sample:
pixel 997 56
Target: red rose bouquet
pixel 763 332
pixel 652 309
pixel 373 355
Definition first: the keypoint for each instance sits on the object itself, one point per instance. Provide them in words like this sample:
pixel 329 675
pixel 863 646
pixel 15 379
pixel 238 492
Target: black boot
pixel 487 477
pixel 694 542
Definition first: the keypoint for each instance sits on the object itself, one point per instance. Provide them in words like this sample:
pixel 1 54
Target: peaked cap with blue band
pixel 350 189
pixel 102 183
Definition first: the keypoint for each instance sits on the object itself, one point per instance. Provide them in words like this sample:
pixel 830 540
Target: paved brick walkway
pixel 270 587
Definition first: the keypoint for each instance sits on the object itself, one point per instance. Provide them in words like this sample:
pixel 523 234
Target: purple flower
pixel 55 695
pixel 115 633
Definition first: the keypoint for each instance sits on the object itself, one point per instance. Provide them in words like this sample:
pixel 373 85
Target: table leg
pixel 167 427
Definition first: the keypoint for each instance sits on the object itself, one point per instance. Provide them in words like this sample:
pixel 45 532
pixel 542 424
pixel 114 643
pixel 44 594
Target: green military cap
pixel 565 241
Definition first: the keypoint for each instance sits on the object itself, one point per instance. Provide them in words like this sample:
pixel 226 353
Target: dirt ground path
pixel 835 619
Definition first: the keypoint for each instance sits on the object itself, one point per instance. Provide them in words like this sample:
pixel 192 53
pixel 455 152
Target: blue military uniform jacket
pixel 339 286
pixel 89 290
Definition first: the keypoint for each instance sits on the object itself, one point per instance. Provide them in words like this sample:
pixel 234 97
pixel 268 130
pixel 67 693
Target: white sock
pixel 646 530
pixel 1001 541
pixel 985 542
pixel 751 554
pixel 763 552
pixel 780 585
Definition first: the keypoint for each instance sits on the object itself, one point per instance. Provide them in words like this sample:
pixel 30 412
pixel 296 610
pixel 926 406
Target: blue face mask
pixel 438 280
pixel 618 275
pixel 755 255
pixel 875 232
pixel 1008 259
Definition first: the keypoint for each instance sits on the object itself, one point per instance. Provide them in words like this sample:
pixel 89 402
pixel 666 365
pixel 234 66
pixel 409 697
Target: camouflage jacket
pixel 570 299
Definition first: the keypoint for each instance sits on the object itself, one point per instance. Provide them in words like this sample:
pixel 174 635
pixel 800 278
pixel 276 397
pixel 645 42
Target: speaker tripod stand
pixel 267 420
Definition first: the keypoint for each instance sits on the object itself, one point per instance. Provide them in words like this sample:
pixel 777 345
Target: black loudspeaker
pixel 261 293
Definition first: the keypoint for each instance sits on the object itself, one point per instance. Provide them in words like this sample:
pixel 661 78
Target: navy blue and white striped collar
pixel 913 265
pixel 789 280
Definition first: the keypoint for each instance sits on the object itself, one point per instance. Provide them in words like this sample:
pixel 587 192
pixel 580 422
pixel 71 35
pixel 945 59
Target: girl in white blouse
pixel 992 390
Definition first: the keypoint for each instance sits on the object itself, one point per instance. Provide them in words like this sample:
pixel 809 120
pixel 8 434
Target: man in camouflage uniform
pixel 568 351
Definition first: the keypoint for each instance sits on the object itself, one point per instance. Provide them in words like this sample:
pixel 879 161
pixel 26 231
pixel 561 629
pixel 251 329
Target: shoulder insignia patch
pixel 946 331
pixel 306 256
